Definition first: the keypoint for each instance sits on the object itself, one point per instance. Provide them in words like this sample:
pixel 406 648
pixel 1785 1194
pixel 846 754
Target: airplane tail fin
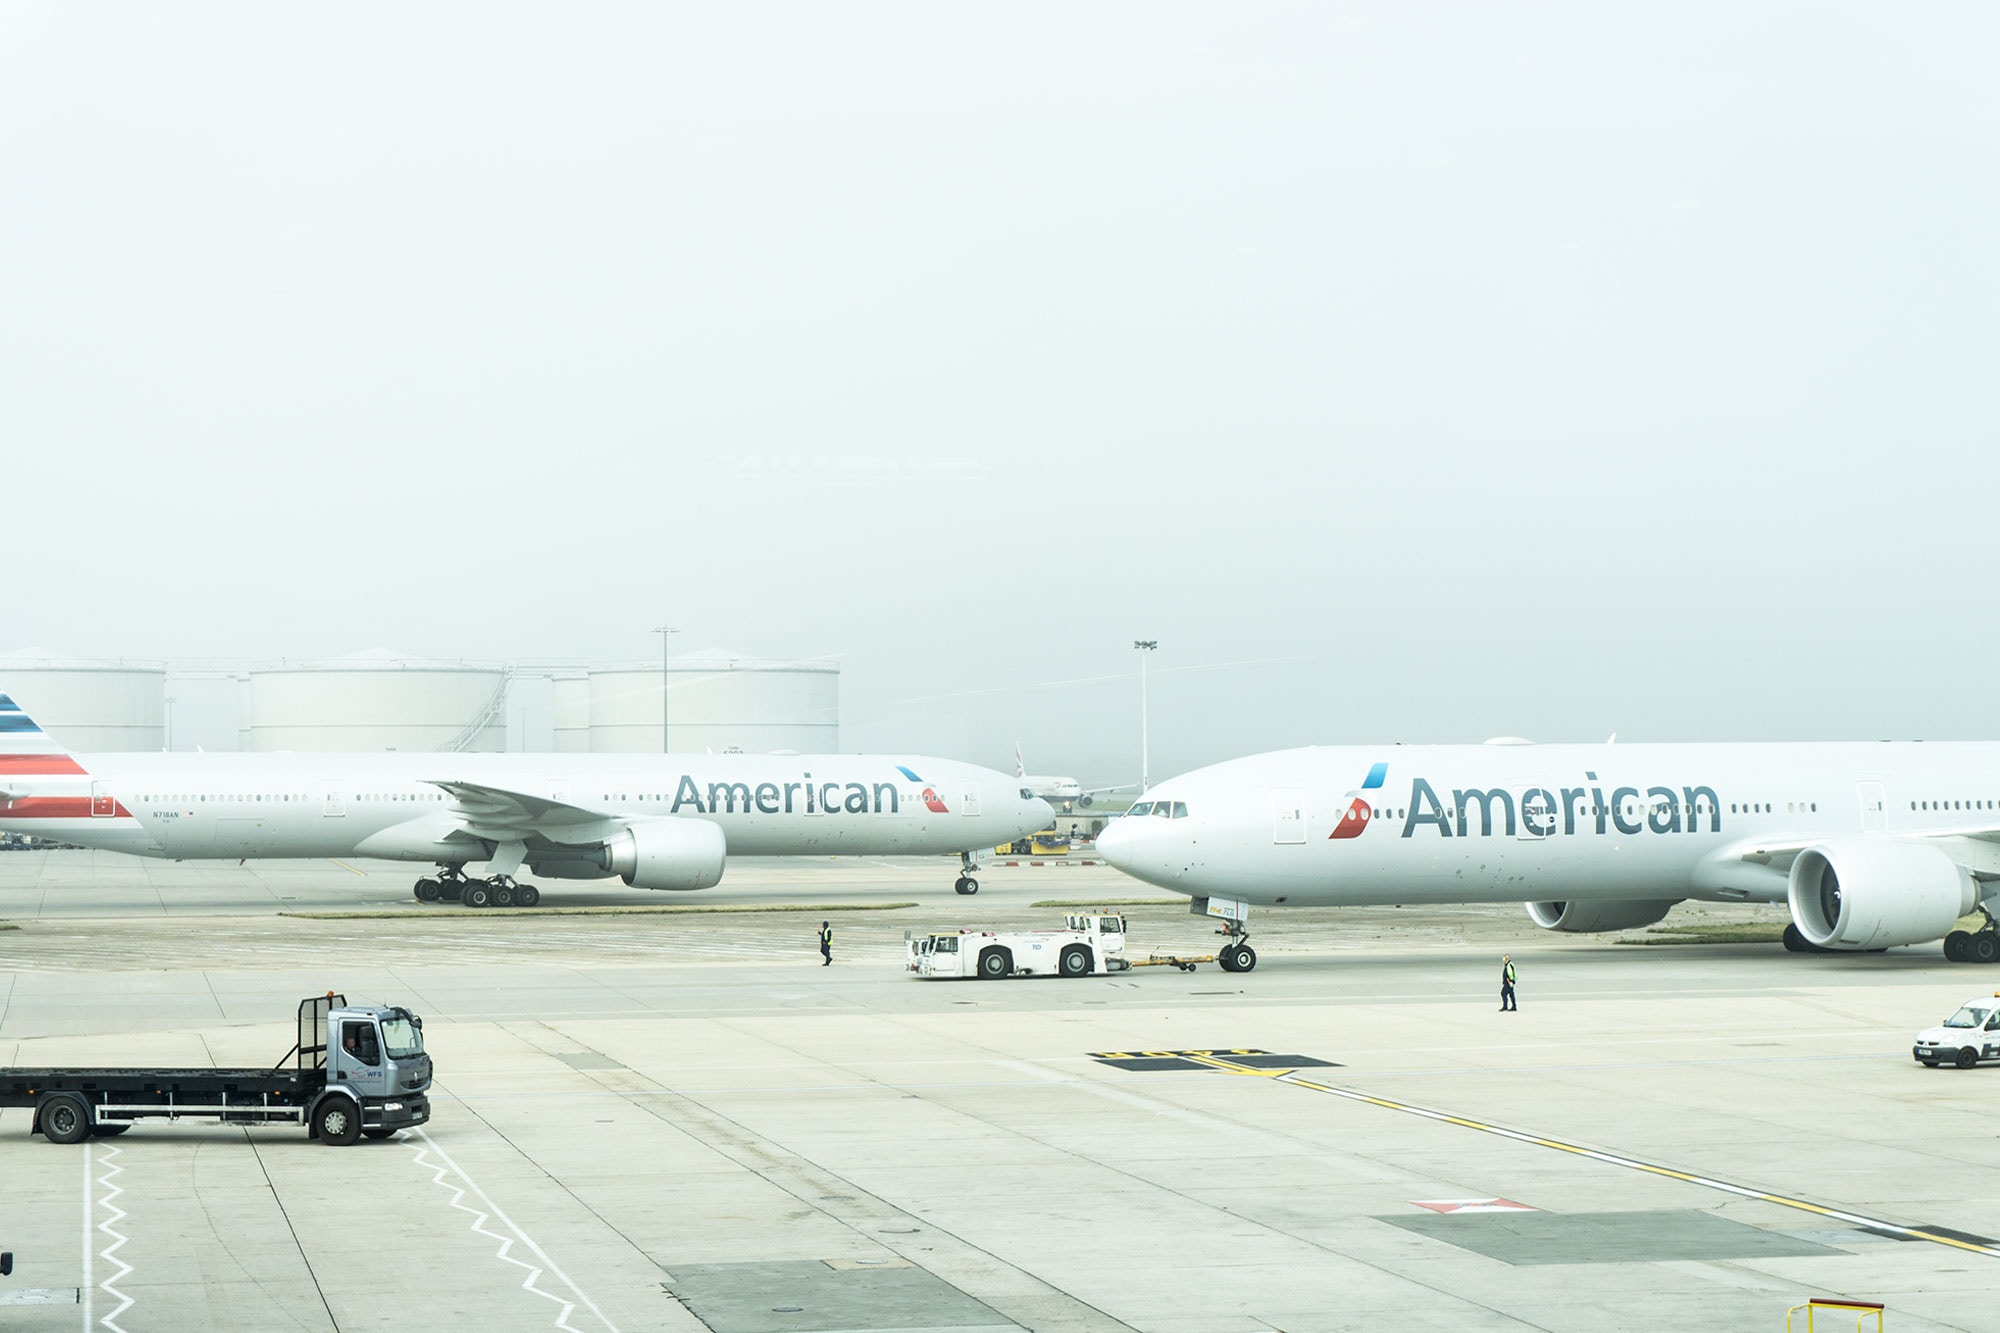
pixel 26 749
pixel 1020 764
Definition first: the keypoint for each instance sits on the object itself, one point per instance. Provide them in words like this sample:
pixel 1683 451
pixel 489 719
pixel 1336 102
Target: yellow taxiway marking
pixel 348 868
pixel 1290 1077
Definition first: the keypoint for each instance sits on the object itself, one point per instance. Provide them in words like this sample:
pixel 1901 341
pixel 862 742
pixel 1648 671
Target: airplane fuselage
pixel 1512 823
pixel 388 805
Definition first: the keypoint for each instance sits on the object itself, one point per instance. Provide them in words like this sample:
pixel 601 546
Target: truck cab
pixel 376 1054
pixel 1967 1037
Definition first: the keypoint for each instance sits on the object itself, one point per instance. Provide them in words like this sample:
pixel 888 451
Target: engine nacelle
pixel 1871 893
pixel 1617 914
pixel 668 854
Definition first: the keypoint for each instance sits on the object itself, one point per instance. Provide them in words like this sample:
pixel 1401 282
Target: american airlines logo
pixel 1538 812
pixel 804 796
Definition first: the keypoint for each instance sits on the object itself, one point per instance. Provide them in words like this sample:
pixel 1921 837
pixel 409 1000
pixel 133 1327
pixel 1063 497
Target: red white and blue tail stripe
pixel 25 749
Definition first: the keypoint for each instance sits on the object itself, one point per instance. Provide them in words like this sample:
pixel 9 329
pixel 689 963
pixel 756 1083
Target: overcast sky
pixel 1463 369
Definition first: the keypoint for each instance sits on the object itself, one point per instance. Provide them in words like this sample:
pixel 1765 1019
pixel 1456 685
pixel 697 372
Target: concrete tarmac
pixel 685 1122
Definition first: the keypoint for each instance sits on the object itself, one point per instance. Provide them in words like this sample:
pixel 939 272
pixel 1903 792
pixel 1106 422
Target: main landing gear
pixel 966 883
pixel 451 886
pixel 1975 946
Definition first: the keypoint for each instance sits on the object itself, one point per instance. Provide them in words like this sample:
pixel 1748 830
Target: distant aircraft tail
pixel 26 749
pixel 1020 764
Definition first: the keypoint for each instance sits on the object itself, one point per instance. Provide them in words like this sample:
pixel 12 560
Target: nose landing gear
pixel 1236 955
pixel 966 883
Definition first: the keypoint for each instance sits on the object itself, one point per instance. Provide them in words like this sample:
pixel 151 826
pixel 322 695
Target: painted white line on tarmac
pixel 440 1163
pixel 88 1290
pixel 110 1252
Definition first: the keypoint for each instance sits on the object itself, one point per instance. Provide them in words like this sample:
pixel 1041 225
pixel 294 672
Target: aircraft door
pixel 1874 806
pixel 103 805
pixel 1538 815
pixel 336 801
pixel 1288 815
pixel 971 802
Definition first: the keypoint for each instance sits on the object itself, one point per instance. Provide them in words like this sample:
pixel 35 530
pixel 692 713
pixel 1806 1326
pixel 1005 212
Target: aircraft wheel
pixel 1985 947
pixel 503 895
pixel 1958 946
pixel 1794 942
pixel 1967 1057
pixel 477 894
pixel 427 890
pixel 527 895
pixel 1241 958
pixel 966 884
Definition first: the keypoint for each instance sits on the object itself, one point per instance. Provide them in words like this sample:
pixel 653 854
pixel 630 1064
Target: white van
pixel 1967 1037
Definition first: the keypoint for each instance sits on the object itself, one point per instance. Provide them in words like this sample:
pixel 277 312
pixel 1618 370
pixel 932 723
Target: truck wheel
pixel 1985 947
pixel 1076 961
pixel 1967 1057
pixel 65 1119
pixel 995 964
pixel 338 1122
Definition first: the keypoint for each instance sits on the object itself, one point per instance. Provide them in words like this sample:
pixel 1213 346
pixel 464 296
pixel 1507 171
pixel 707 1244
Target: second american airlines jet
pixel 1868 844
pixel 654 821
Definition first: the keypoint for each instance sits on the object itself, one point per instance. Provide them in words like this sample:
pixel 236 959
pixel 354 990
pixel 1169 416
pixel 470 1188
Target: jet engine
pixel 1617 914
pixel 667 854
pixel 1868 893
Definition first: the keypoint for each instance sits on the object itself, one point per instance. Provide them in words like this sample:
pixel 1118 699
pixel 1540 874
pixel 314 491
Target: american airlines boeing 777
pixel 1869 845
pixel 655 821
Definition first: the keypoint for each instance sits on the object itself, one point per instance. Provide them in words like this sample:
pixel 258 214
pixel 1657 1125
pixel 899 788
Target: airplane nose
pixel 1044 810
pixel 1115 844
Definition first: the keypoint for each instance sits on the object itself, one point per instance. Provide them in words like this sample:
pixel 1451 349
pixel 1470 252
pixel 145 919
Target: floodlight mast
pixel 666 737
pixel 1145 648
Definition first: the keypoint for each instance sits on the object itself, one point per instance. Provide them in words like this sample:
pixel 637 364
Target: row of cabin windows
pixel 1951 805
pixel 261 798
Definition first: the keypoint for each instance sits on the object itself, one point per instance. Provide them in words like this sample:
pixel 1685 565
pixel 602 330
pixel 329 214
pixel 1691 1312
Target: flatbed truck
pixel 356 1070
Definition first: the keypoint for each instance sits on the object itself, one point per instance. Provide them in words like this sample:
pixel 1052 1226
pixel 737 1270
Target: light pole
pixel 1145 647
pixel 666 739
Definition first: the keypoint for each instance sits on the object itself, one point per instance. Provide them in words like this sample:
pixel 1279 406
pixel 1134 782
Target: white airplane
pixel 1869 845
pixel 1052 789
pixel 656 822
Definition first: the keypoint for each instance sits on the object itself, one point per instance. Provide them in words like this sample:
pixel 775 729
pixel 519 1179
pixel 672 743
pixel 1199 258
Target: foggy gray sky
pixel 1505 369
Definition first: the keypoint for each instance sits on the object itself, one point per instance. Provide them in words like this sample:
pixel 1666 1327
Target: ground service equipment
pixel 356 1070
pixel 1967 1037
pixel 1084 945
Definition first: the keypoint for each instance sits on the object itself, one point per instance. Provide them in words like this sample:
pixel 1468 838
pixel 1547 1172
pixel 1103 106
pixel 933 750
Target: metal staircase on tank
pixel 495 710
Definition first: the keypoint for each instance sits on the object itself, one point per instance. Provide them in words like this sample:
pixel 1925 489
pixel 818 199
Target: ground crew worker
pixel 826 943
pixel 1507 983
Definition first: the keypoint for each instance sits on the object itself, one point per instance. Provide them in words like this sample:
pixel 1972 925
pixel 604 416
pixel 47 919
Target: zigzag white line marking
pixel 110 1252
pixel 442 1166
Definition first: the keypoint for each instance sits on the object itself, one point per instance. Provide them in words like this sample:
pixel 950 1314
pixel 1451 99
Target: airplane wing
pixel 1099 791
pixel 504 816
pixel 1766 865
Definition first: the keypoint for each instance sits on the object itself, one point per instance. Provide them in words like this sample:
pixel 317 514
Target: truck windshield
pixel 402 1038
pixel 1971 1016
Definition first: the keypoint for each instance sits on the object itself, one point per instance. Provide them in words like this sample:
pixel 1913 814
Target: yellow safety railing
pixel 1859 1309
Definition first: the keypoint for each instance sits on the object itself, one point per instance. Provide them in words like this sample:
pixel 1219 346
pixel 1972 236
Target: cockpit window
pixel 1163 809
pixel 1027 795
pixel 1180 809
pixel 1142 808
pixel 1969 1017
